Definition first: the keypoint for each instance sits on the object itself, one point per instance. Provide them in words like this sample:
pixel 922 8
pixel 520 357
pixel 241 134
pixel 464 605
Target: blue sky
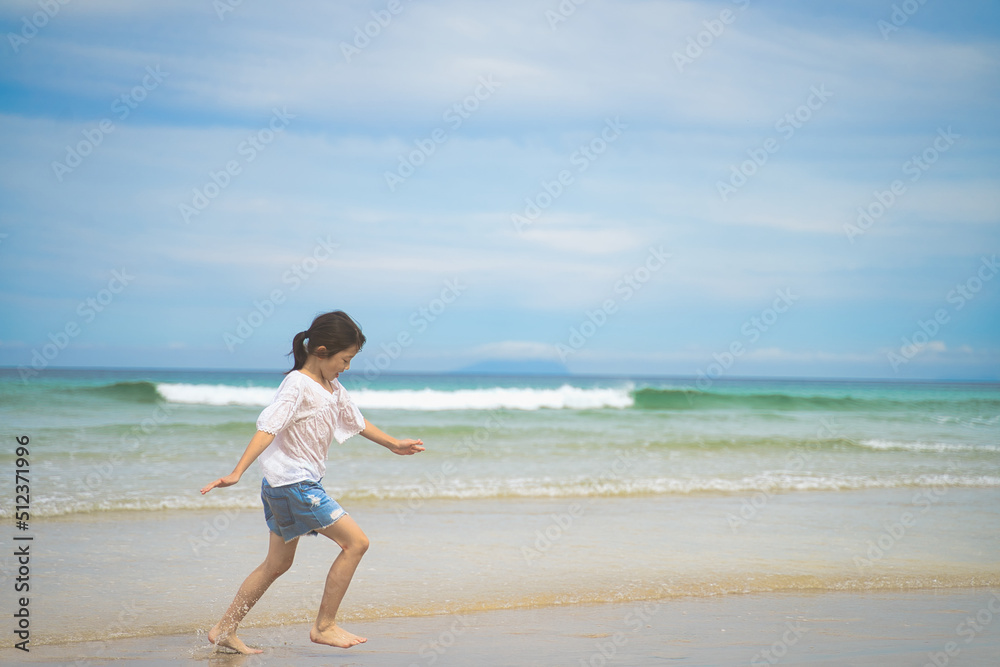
pixel 627 188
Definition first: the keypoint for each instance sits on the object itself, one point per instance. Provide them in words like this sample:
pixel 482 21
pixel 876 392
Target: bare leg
pixel 354 544
pixel 279 559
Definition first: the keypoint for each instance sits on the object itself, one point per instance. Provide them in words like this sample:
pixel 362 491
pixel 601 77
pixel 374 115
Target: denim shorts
pixel 298 509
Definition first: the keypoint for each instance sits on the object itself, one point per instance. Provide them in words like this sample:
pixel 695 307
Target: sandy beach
pixel 129 579
pixel 741 531
pixel 954 627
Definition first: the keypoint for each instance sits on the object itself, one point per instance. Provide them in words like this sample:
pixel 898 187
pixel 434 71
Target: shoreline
pixel 960 626
pixel 115 575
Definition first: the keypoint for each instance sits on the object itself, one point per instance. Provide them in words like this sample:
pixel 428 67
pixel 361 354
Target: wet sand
pixel 937 627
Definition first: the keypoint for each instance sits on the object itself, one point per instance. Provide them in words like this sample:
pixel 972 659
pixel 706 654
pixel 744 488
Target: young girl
pixel 292 440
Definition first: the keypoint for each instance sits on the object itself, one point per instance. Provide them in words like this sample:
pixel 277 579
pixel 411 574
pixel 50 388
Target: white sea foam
pixel 215 394
pixel 589 487
pixel 939 447
pixel 527 487
pixel 512 398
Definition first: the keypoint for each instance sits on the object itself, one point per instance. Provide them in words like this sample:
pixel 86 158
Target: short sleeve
pixel 349 420
pixel 277 416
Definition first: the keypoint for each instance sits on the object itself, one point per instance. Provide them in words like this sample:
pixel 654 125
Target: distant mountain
pixel 515 367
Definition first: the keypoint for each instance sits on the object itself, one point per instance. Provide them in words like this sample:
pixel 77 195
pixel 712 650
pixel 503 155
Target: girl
pixel 292 440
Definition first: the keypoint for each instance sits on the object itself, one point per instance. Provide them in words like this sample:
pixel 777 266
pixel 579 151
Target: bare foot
pixel 335 636
pixel 230 641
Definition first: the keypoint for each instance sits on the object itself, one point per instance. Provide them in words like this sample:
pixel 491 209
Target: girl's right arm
pixel 258 443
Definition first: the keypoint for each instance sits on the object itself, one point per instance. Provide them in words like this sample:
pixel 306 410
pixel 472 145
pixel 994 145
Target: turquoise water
pixel 145 440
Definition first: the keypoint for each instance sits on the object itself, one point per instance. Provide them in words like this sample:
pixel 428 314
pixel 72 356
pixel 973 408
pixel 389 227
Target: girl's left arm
pixel 394 445
pixel 258 443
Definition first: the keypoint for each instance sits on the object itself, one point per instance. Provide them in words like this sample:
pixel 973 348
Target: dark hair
pixel 334 331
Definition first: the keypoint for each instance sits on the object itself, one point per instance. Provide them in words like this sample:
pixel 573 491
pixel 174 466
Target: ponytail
pixel 334 332
pixel 299 351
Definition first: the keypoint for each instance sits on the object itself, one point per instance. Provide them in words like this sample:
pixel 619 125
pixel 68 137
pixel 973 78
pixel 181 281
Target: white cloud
pixel 515 349
pixel 430 55
pixel 779 354
pixel 614 239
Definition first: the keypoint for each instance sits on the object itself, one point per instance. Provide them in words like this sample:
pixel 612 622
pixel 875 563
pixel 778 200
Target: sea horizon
pixel 568 374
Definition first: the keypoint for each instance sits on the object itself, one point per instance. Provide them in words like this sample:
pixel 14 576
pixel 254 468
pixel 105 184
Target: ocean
pixel 533 491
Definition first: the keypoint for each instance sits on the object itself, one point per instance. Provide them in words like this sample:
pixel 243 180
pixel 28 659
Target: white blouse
pixel 303 418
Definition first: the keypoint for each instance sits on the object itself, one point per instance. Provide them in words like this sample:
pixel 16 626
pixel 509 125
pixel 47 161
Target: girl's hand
pixel 408 447
pixel 228 480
